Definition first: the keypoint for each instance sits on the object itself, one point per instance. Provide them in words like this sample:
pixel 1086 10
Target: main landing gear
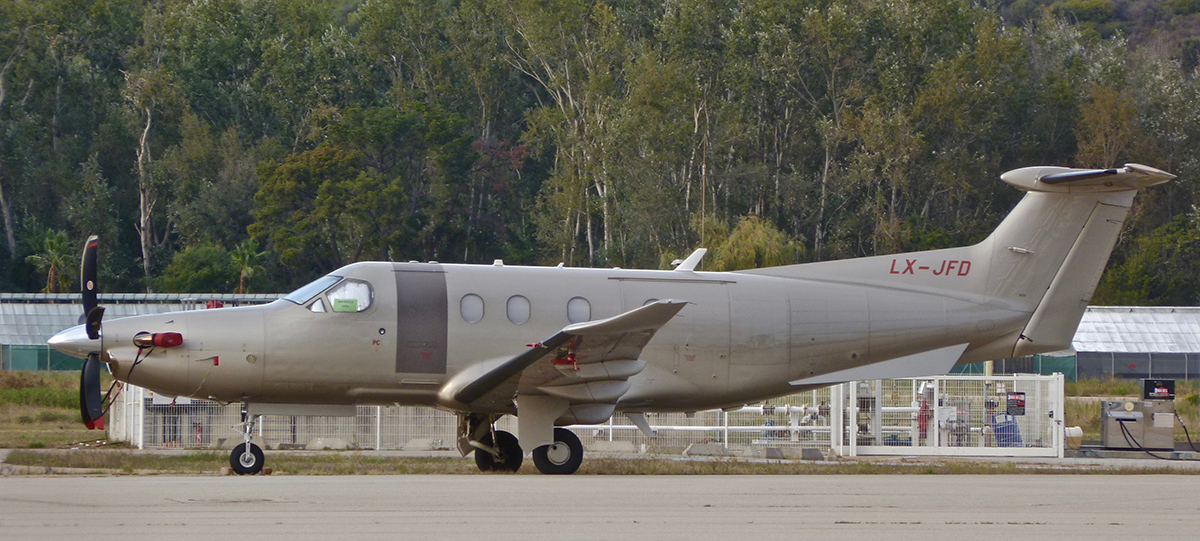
pixel 247 458
pixel 562 457
pixel 497 450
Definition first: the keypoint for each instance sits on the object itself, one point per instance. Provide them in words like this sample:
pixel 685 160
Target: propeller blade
pixel 92 322
pixel 91 406
pixel 87 276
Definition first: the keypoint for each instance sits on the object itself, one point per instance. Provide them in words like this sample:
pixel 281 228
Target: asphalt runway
pixel 601 507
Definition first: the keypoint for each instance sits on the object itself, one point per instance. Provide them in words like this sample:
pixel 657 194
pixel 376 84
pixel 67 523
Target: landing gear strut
pixel 247 458
pixel 495 450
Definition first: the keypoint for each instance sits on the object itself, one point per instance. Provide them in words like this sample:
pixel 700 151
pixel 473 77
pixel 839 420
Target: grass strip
pixel 130 462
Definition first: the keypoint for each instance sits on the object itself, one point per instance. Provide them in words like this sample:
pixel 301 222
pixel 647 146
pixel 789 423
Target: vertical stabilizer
pixel 1043 260
pixel 1050 252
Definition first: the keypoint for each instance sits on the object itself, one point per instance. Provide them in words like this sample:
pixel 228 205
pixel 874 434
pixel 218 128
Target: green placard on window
pixel 345 305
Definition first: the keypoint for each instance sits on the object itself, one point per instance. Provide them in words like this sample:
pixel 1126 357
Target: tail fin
pixel 1044 259
pixel 1053 247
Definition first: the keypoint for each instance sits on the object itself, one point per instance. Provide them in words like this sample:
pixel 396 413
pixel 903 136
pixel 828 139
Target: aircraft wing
pixel 584 363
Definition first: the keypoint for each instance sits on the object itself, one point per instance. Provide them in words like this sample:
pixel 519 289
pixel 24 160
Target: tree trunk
pixel 146 199
pixel 10 236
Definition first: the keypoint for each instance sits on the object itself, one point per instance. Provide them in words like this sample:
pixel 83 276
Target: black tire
pixel 510 457
pixel 563 457
pixel 244 463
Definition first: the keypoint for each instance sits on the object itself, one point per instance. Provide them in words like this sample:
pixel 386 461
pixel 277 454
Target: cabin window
pixel 518 309
pixel 318 306
pixel 350 296
pixel 579 310
pixel 471 308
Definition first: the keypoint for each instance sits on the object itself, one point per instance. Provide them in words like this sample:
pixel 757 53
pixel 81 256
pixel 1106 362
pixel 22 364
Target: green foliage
pixel 1158 269
pixel 200 269
pixel 585 132
pixel 752 244
pixel 245 261
pixel 55 260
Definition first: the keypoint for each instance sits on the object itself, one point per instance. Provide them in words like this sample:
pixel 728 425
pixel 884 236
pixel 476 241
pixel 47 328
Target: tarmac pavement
pixel 525 507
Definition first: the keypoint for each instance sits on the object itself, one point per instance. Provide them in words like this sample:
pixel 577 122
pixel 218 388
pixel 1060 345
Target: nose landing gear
pixel 247 458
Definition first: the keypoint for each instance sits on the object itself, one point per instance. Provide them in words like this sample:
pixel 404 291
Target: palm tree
pixel 245 257
pixel 55 256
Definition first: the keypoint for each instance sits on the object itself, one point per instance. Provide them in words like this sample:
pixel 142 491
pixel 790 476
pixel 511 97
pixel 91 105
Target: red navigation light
pixel 167 339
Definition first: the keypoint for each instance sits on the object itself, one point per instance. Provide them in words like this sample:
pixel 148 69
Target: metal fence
pixel 1019 415
pixel 948 415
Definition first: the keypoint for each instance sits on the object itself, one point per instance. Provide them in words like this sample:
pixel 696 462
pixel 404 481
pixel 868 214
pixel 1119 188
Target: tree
pixel 754 243
pixel 1160 269
pixel 245 261
pixel 54 259
pixel 16 23
pixel 320 209
pixel 1106 127
pixel 199 269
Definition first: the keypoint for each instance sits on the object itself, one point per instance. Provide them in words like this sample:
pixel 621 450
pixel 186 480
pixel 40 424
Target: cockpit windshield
pixel 304 294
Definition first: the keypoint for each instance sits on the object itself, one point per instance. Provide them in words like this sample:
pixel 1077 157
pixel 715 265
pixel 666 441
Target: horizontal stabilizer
pixel 935 362
pixel 1064 179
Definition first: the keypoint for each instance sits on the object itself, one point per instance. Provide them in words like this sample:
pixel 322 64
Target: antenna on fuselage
pixel 689 264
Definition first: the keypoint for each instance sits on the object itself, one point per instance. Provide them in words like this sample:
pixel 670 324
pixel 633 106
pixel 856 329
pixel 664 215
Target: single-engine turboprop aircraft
pixel 558 346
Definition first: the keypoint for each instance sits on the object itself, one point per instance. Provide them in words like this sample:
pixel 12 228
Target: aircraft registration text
pixel 945 267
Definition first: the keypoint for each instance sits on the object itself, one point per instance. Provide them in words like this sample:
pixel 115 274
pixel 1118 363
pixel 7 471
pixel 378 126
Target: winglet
pixel 689 264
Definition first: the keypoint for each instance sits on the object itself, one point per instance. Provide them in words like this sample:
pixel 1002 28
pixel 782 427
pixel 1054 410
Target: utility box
pixel 1147 424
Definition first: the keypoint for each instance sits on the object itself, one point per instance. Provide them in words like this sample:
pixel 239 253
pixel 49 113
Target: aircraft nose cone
pixel 74 342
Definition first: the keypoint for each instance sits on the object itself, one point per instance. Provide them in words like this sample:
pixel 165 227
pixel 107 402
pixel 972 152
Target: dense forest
pixel 251 145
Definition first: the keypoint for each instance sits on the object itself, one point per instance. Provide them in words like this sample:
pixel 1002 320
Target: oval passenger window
pixel 471 308
pixel 518 309
pixel 578 310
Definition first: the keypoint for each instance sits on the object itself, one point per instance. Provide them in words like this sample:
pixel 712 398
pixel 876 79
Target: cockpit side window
pixel 304 294
pixel 350 296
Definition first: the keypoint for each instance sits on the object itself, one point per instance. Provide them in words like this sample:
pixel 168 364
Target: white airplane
pixel 558 346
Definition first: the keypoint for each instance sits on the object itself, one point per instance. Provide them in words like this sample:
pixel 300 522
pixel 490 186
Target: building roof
pixel 29 319
pixel 1138 329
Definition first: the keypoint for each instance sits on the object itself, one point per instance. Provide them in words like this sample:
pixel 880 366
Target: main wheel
pixel 510 457
pixel 246 462
pixel 562 457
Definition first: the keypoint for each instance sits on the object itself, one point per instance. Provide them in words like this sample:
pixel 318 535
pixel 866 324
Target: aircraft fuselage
pixel 742 337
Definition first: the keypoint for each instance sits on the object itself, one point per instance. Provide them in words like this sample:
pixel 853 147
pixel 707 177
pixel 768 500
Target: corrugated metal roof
pixel 142 297
pixel 1137 329
pixel 32 318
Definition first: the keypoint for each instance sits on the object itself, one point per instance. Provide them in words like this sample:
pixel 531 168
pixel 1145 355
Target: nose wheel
pixel 247 458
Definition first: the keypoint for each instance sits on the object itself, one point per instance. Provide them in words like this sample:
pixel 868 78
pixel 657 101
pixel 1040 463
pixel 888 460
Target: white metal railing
pixel 946 415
